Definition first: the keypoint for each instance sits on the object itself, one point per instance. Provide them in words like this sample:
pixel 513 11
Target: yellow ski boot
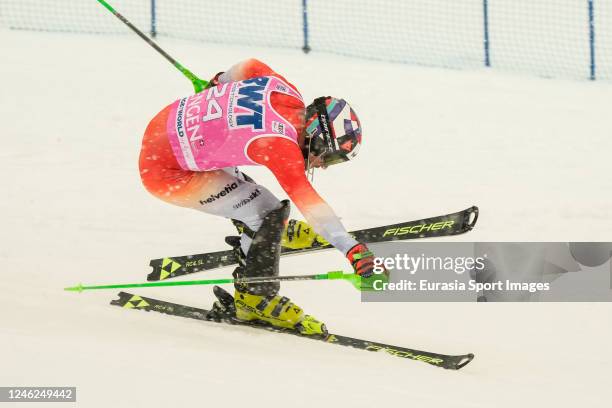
pixel 295 235
pixel 278 311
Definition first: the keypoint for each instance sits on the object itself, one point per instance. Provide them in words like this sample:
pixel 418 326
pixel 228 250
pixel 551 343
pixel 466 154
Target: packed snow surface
pixel 533 154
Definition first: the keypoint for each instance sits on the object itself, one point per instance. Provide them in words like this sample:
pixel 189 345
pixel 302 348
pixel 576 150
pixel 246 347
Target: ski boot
pixel 296 235
pixel 277 311
pixel 300 235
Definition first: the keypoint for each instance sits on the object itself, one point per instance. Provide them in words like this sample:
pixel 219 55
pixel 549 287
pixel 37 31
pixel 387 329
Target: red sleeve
pixel 284 159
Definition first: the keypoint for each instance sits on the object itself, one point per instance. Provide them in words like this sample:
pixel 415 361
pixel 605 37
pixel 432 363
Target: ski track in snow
pixel 533 154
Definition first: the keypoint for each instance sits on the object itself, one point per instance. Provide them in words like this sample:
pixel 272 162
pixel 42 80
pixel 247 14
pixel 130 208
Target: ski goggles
pixel 331 158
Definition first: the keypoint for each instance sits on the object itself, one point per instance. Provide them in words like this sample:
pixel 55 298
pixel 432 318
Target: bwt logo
pixel 251 98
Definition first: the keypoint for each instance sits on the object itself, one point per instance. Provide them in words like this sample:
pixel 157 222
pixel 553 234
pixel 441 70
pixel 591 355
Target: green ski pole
pixel 354 279
pixel 198 84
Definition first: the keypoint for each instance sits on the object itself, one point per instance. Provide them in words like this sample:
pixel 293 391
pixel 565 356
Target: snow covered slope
pixel 532 154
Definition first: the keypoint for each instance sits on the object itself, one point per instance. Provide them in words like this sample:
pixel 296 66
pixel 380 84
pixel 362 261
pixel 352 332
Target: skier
pixel 250 115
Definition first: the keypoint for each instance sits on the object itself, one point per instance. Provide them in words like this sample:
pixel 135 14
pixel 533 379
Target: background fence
pixel 550 38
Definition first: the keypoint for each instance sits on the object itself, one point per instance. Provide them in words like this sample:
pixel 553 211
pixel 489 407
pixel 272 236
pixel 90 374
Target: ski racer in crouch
pixel 250 115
